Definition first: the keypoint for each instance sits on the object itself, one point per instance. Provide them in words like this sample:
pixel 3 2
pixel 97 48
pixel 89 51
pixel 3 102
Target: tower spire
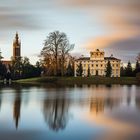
pixel 16 46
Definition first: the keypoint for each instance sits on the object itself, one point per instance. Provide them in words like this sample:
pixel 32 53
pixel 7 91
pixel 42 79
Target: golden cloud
pixel 117 29
pixel 105 41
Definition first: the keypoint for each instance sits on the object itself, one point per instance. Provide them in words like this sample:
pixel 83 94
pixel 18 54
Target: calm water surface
pixel 70 113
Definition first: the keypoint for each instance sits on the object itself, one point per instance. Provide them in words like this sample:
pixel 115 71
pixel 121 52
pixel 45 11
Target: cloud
pixel 13 19
pixel 111 21
pixel 98 2
pixel 126 49
pixel 108 39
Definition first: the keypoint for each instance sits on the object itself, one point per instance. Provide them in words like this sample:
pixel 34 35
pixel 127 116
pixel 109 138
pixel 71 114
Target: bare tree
pixel 65 48
pixel 138 57
pixel 56 47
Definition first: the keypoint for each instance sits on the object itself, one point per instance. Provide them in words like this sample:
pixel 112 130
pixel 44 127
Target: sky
pixel 110 25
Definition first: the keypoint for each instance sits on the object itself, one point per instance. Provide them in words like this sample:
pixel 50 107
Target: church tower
pixel 16 47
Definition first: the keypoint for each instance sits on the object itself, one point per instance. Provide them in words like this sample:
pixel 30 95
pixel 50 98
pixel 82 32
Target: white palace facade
pixel 97 63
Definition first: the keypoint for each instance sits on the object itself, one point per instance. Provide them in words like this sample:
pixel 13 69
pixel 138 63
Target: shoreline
pixel 81 80
pixel 78 80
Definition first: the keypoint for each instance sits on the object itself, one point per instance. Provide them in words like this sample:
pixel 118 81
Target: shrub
pixel 138 76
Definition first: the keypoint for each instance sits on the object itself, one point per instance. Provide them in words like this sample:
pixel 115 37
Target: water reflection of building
pixel 56 113
pixel 16 108
pixel 97 105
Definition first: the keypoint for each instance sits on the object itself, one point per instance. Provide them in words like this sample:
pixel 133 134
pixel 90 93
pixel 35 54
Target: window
pixel 117 72
pixel 84 71
pixel 116 65
pixel 96 65
pixel 92 65
pixel 101 65
pixel 92 71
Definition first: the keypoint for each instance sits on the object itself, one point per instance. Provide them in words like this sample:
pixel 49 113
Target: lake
pixel 86 112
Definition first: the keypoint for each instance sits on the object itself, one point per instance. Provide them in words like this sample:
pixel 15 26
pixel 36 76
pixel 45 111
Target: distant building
pixel 16 47
pixel 16 50
pixel 97 63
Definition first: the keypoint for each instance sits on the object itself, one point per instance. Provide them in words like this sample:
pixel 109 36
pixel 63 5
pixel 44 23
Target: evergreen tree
pixel 122 72
pixel 38 68
pixel 79 70
pixel 137 68
pixel 108 69
pixel 69 70
pixel 3 70
pixel 129 71
pixel 88 72
pixel 29 70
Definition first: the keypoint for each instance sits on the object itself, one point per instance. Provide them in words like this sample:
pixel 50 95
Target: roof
pixel 6 62
pixel 112 58
pixel 106 58
pixel 83 58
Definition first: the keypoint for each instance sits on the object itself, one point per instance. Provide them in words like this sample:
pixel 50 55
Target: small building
pixel 97 63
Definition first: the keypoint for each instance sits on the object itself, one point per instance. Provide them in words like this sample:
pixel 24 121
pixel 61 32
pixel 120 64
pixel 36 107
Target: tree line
pixel 55 60
pixel 129 71
pixel 20 68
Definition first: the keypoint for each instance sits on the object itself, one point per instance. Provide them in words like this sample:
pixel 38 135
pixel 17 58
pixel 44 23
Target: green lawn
pixel 81 80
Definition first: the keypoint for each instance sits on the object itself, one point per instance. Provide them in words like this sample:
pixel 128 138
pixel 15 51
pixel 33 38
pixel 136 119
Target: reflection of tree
pixel 0 100
pixel 97 105
pixel 138 103
pixel 16 108
pixel 111 102
pixel 56 113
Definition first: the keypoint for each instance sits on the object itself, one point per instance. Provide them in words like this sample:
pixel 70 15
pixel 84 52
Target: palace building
pixel 16 51
pixel 97 63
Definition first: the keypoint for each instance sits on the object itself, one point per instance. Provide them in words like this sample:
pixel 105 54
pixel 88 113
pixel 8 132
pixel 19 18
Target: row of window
pixel 98 61
pixel 101 65
pixel 101 71
pixel 94 72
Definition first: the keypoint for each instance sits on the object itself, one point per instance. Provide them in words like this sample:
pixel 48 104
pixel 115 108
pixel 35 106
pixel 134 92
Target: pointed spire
pixel 16 37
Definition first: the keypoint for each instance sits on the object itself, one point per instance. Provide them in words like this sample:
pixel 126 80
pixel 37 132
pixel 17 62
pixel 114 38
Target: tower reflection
pixel 17 107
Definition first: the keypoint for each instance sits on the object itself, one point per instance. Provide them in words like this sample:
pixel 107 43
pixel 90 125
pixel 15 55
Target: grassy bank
pixel 81 80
